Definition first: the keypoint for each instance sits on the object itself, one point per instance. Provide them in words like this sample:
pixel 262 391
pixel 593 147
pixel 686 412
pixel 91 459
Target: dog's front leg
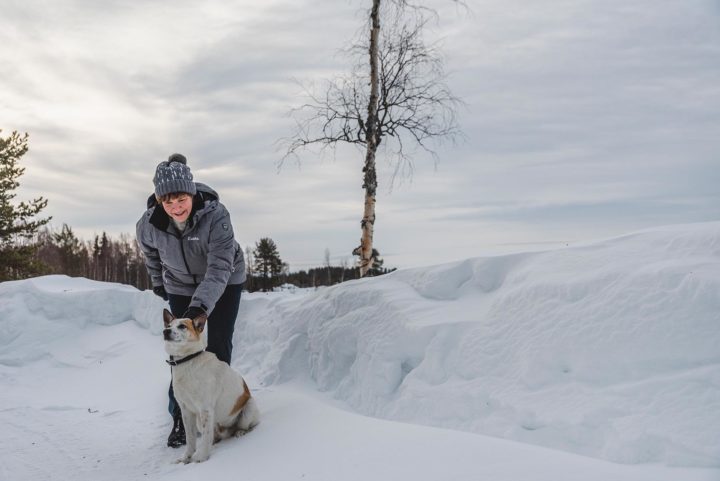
pixel 190 422
pixel 206 424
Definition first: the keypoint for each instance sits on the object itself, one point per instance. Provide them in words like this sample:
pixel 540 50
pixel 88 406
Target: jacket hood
pixel 204 194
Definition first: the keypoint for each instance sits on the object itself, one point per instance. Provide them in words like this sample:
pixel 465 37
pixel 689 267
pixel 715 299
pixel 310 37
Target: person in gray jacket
pixel 193 260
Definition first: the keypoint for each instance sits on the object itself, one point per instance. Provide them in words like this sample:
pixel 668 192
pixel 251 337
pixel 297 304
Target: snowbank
pixel 46 308
pixel 609 349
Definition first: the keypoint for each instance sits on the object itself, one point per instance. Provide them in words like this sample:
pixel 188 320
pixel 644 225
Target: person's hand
pixel 160 292
pixel 194 312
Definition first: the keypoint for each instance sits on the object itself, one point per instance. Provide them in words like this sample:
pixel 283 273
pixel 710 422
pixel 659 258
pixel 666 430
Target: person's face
pixel 179 208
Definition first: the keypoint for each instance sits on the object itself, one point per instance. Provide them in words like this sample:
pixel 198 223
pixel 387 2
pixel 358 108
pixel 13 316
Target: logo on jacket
pixel 193 238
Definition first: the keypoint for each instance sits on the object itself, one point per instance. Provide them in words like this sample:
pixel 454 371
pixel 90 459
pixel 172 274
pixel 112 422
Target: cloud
pixel 582 118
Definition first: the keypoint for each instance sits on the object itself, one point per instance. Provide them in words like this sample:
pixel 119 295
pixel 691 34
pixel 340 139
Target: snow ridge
pixel 608 350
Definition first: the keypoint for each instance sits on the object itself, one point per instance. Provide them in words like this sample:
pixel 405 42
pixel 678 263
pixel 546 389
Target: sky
pixel 596 363
pixel 582 119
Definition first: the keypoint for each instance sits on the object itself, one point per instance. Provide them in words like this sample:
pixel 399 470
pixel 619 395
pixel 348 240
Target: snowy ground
pixel 593 362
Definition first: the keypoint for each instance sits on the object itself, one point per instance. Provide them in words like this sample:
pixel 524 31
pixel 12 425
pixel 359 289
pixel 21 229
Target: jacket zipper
pixel 182 251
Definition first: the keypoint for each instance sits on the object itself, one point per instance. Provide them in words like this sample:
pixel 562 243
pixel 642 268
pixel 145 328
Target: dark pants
pixel 220 327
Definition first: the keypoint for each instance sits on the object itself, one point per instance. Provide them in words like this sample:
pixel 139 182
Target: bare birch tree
pixel 396 92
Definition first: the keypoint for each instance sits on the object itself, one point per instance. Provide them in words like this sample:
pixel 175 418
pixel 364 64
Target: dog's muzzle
pixel 167 334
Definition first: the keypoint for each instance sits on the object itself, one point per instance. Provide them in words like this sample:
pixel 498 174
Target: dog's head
pixel 183 335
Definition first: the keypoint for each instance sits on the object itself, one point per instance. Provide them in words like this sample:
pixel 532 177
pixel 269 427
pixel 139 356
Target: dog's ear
pixel 167 317
pixel 199 322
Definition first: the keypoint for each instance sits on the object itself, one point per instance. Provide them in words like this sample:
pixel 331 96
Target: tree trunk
pixel 365 251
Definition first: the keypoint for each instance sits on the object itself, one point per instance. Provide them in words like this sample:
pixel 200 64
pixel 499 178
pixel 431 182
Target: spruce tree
pixel 268 264
pixel 18 221
pixel 70 251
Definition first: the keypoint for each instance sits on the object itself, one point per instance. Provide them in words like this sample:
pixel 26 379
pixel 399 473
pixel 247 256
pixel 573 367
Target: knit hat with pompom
pixel 173 176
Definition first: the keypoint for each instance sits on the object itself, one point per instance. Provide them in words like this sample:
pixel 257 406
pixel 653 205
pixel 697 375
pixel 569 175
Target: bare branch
pixel 415 102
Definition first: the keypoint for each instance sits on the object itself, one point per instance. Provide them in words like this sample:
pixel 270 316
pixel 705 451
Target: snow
pixel 596 361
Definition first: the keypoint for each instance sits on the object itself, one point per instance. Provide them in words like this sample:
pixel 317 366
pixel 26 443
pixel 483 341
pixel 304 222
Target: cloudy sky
pixel 583 119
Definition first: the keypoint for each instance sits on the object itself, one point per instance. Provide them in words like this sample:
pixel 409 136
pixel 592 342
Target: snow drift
pixel 608 349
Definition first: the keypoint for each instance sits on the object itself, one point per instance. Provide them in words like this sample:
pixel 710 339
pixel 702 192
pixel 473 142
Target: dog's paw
pixel 185 459
pixel 199 458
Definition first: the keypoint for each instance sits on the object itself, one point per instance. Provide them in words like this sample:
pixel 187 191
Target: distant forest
pixel 120 260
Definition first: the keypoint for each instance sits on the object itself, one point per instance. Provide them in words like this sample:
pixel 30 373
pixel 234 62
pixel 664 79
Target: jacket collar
pixel 161 220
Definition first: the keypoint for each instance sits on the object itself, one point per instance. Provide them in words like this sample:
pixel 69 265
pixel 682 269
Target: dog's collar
pixel 175 362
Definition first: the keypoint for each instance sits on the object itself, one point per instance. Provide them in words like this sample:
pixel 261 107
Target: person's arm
pixel 151 254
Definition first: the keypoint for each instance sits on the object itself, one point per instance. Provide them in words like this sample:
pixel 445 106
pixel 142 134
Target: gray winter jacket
pixel 201 261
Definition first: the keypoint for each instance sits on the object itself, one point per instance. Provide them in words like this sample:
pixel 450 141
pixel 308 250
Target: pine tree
pixel 70 251
pixel 377 265
pixel 104 257
pixel 18 222
pixel 268 264
pixel 95 249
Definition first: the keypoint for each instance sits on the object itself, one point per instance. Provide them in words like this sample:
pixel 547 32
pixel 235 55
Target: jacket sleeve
pixel 220 259
pixel 150 253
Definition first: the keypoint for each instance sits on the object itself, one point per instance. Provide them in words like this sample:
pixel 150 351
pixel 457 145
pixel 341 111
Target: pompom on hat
pixel 173 175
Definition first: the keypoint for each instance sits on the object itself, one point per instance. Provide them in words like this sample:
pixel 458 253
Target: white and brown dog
pixel 214 399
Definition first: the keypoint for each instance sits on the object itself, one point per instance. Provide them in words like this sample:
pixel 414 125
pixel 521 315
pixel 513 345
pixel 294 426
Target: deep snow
pixel 607 350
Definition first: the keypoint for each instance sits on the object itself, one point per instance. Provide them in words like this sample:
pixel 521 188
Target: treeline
pixel 324 276
pixel 267 271
pixel 102 259
pixel 120 260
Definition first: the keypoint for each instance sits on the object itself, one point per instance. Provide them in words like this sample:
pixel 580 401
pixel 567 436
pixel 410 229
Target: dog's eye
pixel 182 327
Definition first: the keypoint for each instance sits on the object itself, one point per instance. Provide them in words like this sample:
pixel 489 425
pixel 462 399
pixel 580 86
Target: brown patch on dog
pixel 194 333
pixel 241 401
pixel 199 322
